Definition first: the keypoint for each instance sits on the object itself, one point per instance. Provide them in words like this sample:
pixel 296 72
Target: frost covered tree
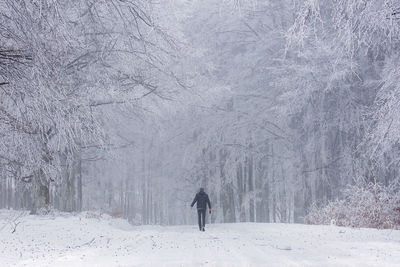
pixel 63 62
pixel 130 106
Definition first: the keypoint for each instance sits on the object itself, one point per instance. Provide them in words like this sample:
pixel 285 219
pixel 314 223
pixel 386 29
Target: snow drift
pixel 87 239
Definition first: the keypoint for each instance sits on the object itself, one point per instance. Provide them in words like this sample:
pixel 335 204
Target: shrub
pixel 369 205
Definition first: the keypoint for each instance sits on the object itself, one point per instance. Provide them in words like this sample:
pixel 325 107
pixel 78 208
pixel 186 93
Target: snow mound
pixel 86 240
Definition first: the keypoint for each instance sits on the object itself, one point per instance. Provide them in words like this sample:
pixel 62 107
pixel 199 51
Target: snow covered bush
pixel 368 205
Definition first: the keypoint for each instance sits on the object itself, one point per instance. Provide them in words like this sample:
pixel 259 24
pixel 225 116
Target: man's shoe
pixel 203 229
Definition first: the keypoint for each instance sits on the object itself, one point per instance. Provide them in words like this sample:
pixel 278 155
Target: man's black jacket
pixel 202 200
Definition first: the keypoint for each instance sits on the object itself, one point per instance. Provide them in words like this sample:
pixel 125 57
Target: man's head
pixel 201 189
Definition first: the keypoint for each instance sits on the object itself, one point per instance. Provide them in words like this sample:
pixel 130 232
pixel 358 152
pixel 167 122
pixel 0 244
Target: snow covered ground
pixel 66 240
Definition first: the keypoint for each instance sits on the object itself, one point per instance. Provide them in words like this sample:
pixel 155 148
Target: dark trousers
pixel 202 218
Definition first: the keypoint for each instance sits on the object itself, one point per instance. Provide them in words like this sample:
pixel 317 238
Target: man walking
pixel 202 200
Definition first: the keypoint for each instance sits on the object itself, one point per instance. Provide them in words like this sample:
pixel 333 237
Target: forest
pixel 283 110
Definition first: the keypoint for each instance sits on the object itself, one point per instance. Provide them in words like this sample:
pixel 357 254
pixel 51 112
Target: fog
pixel 275 107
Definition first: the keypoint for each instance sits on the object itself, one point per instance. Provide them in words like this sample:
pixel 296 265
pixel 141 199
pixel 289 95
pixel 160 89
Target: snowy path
pixel 81 241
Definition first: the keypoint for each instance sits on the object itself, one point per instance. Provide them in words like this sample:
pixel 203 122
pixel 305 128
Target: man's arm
pixel 208 202
pixel 194 201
